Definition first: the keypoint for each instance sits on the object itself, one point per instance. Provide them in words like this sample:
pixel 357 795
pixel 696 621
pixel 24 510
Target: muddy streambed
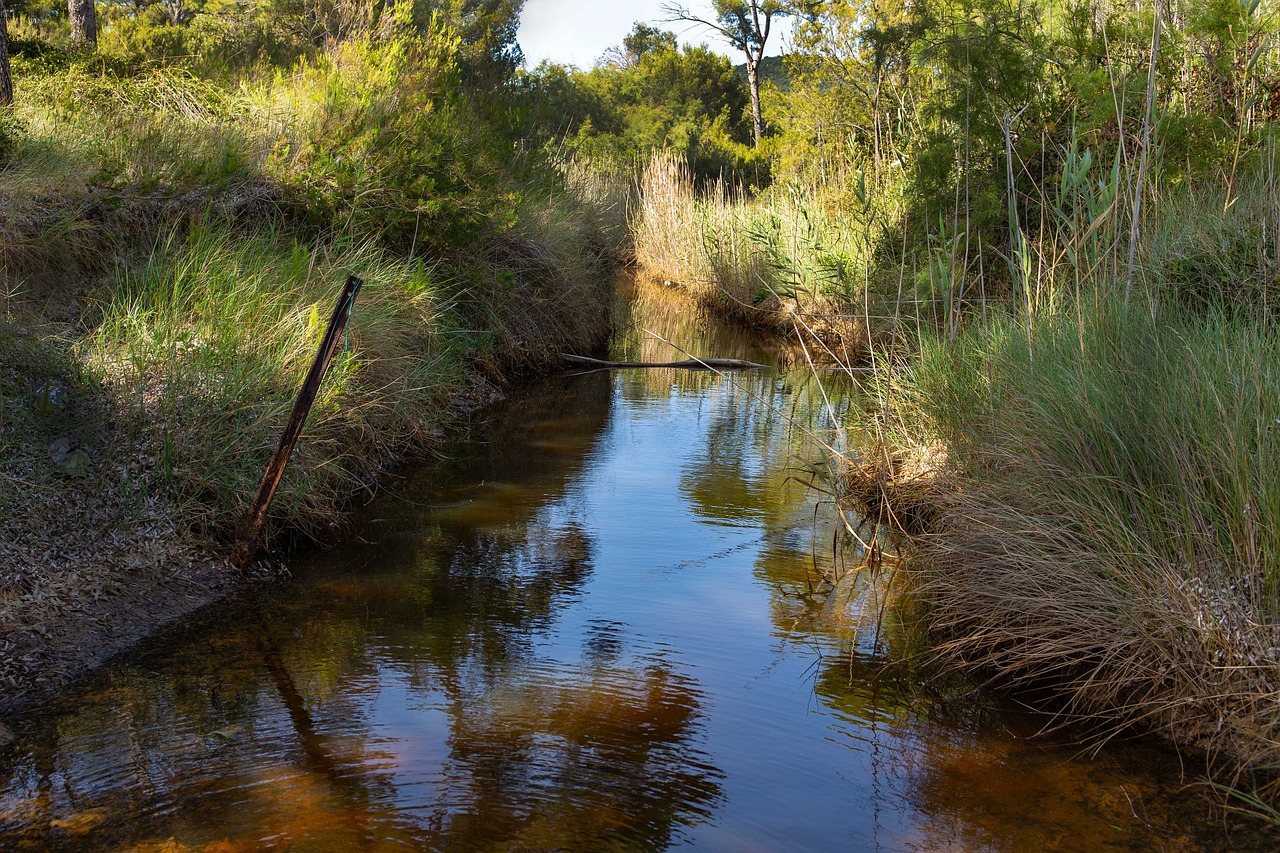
pixel 599 623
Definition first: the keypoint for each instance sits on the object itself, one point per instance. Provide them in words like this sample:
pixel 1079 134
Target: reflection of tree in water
pixel 202 748
pixel 604 759
pixel 542 435
pixel 543 754
pixel 759 432
pixel 265 726
pixel 991 779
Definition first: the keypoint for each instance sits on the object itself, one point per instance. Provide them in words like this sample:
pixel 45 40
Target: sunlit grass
pixel 206 345
pixel 783 260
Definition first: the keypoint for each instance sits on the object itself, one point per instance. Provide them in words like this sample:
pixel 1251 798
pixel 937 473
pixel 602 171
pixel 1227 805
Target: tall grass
pixel 1101 521
pixel 1108 523
pixel 781 260
pixel 608 192
pixel 1219 248
pixel 204 348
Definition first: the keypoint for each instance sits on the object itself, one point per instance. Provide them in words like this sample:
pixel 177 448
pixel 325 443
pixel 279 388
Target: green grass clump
pixel 1110 519
pixel 205 346
pixel 1220 250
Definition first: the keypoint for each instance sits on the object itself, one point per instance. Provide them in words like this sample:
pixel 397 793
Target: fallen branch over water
pixel 687 364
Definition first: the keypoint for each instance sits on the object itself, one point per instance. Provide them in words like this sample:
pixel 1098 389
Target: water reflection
pixel 602 623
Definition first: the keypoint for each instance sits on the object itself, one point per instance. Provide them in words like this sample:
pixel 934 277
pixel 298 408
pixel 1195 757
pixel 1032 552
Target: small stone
pixel 51 395
pixel 59 449
pixel 74 464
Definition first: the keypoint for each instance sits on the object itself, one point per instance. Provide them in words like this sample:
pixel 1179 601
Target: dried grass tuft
pixel 1107 528
pixel 895 489
pixel 777 262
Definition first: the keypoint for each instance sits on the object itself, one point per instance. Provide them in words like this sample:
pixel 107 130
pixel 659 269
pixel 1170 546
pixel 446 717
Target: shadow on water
pixel 601 622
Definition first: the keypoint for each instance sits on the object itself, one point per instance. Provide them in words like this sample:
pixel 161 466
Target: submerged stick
pixel 249 534
pixel 687 364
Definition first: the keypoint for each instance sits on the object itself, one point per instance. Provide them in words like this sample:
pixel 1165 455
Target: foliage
pixel 379 147
pixel 746 27
pixel 936 82
pixel 337 137
pixel 650 95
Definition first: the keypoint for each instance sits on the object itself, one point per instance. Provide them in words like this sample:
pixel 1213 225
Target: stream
pixel 602 620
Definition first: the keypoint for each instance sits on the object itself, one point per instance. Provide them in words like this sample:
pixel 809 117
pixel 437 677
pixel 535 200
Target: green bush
pixel 148 38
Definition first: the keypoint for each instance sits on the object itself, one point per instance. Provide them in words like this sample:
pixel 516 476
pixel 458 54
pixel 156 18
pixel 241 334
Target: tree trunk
pixel 84 24
pixel 6 76
pixel 753 83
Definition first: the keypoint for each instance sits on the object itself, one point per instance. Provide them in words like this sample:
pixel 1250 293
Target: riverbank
pixel 123 477
pixel 1077 463
pixel 122 481
pixel 170 248
pixel 1089 497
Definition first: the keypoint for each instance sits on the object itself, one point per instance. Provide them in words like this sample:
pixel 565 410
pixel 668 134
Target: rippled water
pixel 602 623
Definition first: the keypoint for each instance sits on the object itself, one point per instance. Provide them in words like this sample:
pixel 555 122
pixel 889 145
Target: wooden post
pixel 249 534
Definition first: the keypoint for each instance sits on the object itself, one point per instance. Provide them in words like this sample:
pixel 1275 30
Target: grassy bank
pixel 171 246
pixel 1105 523
pixel 1089 489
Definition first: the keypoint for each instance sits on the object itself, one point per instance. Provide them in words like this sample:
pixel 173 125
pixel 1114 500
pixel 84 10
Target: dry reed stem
pixel 1121 637
pixel 708 244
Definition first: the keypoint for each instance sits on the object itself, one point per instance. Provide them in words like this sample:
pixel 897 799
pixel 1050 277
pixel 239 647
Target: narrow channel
pixel 599 622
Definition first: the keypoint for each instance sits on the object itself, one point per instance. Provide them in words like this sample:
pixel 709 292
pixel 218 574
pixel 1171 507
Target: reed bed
pixel 1107 527
pixel 1088 486
pixel 777 262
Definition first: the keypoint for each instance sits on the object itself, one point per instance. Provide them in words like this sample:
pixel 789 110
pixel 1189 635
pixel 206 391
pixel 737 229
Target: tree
pixel 6 76
pixel 746 26
pixel 84 23
pixel 643 39
pixel 646 94
pixel 490 53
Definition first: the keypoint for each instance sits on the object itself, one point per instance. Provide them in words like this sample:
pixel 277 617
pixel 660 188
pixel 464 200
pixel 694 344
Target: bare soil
pixel 91 559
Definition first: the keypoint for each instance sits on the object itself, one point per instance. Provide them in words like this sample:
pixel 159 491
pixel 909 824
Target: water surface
pixel 602 622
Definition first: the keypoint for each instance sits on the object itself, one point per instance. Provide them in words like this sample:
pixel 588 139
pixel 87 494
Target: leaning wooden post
pixel 249 534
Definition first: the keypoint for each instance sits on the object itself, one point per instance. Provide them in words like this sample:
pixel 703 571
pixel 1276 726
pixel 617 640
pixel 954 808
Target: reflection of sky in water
pixel 611 636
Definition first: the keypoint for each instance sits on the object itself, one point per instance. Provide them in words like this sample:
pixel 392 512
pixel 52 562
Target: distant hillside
pixel 771 68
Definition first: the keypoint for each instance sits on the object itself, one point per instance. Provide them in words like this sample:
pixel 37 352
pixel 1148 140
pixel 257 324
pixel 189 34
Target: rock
pixel 51 395
pixel 74 464
pixel 59 449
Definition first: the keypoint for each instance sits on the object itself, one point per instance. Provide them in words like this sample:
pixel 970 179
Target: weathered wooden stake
pixel 249 534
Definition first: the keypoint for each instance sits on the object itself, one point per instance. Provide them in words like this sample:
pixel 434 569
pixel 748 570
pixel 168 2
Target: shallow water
pixel 602 622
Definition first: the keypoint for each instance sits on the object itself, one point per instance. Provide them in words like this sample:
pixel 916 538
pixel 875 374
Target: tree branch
pixel 676 13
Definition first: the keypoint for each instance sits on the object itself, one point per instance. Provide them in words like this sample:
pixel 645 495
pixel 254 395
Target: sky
pixel 573 32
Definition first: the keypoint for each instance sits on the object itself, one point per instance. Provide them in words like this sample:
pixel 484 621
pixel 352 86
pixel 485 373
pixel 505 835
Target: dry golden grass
pixel 769 263
pixel 1104 535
